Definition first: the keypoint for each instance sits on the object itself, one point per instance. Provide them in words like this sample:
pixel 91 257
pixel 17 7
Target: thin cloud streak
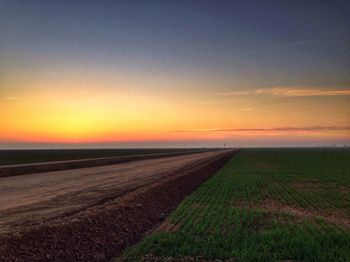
pixel 246 109
pixel 235 93
pixel 302 92
pixel 275 129
pixel 11 98
pixel 289 92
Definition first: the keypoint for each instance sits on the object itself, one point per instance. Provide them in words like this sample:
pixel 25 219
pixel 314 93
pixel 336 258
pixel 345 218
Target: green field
pixel 9 157
pixel 263 205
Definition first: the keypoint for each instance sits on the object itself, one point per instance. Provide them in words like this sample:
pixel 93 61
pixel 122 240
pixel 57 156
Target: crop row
pixel 260 207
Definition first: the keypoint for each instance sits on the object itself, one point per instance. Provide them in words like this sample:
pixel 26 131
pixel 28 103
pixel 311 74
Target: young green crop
pixel 263 205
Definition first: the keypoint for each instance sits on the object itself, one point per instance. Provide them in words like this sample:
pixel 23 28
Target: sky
pixel 174 73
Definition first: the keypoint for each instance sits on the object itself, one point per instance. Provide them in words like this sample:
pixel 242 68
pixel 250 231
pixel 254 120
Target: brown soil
pixel 35 197
pixel 167 226
pixel 151 258
pixel 99 222
pixel 25 169
pixel 344 189
pixel 301 213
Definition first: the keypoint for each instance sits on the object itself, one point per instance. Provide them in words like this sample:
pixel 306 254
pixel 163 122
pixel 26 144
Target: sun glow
pixel 104 109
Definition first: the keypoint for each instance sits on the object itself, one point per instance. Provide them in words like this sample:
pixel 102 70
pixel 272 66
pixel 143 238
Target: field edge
pixel 102 232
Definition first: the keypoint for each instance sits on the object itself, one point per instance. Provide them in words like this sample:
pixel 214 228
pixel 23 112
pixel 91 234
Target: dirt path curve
pixel 32 198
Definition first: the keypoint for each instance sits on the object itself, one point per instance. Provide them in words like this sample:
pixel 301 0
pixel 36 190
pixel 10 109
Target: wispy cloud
pixel 234 93
pixel 11 98
pixel 294 91
pixel 246 109
pixel 289 92
pixel 273 129
pixel 213 102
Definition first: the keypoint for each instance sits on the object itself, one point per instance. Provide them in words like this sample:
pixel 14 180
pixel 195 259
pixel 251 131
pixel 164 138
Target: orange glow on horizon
pixel 86 111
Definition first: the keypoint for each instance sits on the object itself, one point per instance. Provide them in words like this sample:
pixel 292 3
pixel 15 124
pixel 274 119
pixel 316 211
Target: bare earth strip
pixel 42 195
pixel 25 169
pixel 91 214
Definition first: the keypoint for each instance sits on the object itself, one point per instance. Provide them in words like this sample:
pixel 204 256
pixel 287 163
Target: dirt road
pixel 37 167
pixel 37 197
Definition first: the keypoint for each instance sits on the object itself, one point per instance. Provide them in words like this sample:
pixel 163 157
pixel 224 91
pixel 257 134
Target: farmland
pixel 263 205
pixel 93 213
pixel 11 157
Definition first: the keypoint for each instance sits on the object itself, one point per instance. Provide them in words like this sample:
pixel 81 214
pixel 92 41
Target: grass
pixel 263 205
pixel 9 157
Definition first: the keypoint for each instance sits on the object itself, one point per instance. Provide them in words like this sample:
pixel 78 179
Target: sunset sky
pixel 174 73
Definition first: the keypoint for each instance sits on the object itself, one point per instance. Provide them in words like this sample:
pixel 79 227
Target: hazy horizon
pixel 155 145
